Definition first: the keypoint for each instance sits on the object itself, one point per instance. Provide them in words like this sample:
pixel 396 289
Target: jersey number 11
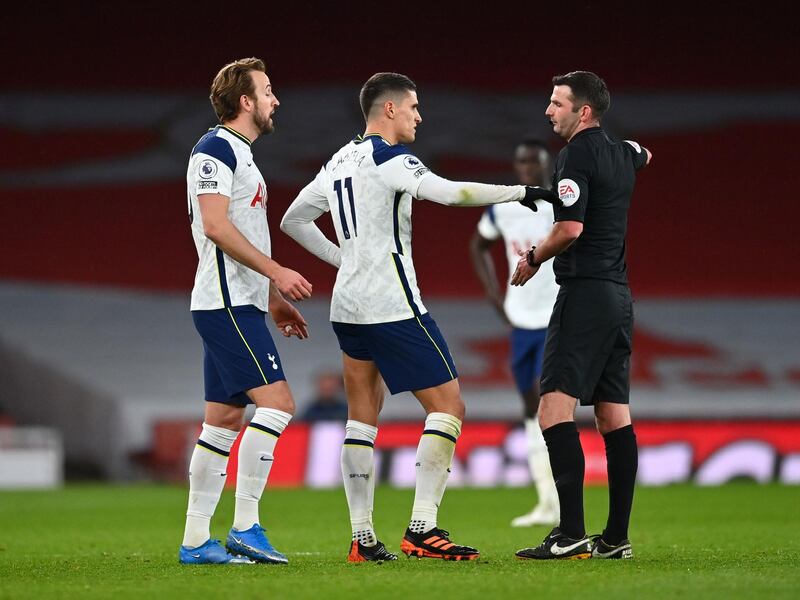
pixel 337 186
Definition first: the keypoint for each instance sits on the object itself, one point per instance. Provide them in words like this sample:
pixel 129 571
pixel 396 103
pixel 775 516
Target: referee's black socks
pixel 622 457
pixel 568 465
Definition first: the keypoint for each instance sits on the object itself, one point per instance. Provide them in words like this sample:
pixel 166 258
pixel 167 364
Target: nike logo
pixel 560 550
pixel 265 458
pixel 249 164
pixel 195 556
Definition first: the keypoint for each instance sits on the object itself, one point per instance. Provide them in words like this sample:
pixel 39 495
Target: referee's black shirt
pixel 594 177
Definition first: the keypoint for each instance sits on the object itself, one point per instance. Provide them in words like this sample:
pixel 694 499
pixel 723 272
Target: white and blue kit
pixel 376 309
pixel 527 307
pixel 229 300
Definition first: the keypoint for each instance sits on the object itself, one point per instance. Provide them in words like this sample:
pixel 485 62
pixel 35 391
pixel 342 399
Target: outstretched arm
pixel 466 193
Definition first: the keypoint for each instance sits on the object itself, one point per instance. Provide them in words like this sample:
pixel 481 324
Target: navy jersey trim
pixel 383 151
pixel 396 222
pixel 223 279
pixel 216 147
pixel 491 215
pixel 360 139
pixel 240 136
pixel 404 283
pixel 213 449
pixel 440 434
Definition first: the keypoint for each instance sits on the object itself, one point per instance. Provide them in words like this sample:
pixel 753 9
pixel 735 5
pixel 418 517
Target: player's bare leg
pixel 614 423
pixel 424 538
pixel 364 389
pixel 274 410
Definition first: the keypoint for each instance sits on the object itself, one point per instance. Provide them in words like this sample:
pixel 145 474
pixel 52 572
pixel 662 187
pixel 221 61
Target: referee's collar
pixel 587 131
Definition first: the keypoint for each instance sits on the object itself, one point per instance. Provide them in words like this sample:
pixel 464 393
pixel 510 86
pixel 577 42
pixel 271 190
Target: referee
pixel 588 348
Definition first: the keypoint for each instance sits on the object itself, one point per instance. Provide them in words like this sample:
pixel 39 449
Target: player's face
pixel 266 102
pixel 407 118
pixel 561 112
pixel 531 165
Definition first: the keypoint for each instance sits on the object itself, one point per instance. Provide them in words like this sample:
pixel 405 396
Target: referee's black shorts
pixel 588 348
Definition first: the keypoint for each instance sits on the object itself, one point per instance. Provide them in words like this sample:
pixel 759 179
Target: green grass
pixel 737 541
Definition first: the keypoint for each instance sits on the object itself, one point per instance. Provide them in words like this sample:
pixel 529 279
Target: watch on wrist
pixel 531 258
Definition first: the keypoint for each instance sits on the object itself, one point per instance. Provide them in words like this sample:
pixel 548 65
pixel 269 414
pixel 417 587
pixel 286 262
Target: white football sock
pixel 358 474
pixel 255 462
pixel 539 463
pixel 206 480
pixel 434 456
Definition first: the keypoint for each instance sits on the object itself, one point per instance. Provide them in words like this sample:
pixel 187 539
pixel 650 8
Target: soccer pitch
pixel 737 541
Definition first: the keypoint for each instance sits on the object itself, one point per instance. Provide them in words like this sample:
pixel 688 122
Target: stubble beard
pixel 265 125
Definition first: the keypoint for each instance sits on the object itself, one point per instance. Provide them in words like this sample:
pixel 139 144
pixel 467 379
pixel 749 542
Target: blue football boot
pixel 254 544
pixel 210 553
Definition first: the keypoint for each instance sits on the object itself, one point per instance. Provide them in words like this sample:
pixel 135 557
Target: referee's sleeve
pixel 572 184
pixel 638 153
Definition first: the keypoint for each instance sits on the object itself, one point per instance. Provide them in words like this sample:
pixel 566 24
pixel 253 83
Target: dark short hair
pixel 231 83
pixel 587 88
pixel 380 83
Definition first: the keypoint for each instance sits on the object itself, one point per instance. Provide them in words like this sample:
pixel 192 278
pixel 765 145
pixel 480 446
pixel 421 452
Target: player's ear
pixel 245 103
pixel 388 109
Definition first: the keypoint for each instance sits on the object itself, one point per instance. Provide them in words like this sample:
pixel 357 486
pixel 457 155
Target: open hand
pixel 523 271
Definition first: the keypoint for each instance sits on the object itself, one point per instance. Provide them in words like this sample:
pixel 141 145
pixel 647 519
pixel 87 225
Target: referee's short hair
pixel 587 88
pixel 379 85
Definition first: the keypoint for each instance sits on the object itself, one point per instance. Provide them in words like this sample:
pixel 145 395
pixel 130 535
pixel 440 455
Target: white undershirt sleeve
pixel 298 223
pixel 465 193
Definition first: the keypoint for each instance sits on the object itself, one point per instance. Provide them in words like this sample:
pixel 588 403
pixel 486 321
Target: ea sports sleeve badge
pixel 568 192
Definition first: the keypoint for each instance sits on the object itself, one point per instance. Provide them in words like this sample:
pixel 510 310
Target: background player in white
pixel 526 309
pixel 384 330
pixel 236 283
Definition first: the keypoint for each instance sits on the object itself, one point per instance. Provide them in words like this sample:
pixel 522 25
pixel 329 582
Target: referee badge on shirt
pixel 568 192
pixel 208 168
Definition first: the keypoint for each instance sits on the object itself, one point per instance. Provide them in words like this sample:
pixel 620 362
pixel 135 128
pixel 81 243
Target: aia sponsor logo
pixel 258 199
pixel 568 192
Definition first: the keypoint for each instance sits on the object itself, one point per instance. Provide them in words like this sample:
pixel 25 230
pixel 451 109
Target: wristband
pixel 531 258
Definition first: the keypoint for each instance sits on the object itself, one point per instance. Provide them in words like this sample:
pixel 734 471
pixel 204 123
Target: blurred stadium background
pixel 100 367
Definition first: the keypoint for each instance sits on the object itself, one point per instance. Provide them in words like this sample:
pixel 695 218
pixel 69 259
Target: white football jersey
pixel 222 163
pixel 528 306
pixel 368 186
